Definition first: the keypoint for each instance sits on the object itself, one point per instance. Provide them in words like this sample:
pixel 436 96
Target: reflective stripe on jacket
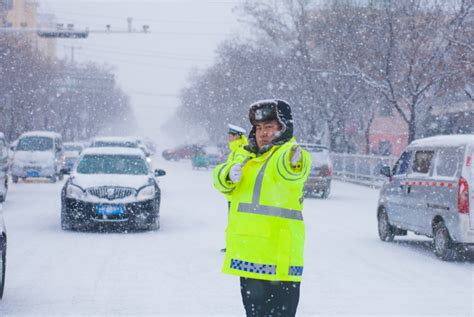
pixel 265 234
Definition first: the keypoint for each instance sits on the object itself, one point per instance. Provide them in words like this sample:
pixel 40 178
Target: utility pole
pixel 73 48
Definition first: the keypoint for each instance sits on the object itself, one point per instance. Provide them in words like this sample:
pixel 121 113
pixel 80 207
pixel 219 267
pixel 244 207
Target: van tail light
pixel 329 171
pixel 463 196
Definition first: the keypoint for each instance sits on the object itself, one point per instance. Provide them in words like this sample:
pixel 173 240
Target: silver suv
pixel 320 175
pixel 430 192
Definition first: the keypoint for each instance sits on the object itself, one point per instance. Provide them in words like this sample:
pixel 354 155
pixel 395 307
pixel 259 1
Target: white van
pixel 38 154
pixel 3 168
pixel 430 192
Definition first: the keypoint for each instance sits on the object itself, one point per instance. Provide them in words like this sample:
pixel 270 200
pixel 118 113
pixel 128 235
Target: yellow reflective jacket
pixel 265 234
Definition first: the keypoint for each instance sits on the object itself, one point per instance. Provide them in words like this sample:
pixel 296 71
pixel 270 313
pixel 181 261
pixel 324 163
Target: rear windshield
pixel 35 143
pixel 112 164
pixel 114 144
pixel 319 155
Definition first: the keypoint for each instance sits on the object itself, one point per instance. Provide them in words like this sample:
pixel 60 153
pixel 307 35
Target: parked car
pixel 126 142
pixel 72 150
pixel 200 160
pixel 144 148
pixel 430 192
pixel 3 168
pixel 181 152
pixel 320 175
pixel 214 155
pixel 111 186
pixel 38 154
pixel 3 252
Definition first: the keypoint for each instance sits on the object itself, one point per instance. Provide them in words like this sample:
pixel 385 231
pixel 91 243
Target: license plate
pixel 109 210
pixel 32 173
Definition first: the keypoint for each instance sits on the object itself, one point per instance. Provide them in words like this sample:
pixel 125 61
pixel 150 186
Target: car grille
pixel 28 168
pixel 111 193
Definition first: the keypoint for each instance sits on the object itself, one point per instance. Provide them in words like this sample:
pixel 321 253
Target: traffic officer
pixel 265 233
pixel 237 141
pixel 238 154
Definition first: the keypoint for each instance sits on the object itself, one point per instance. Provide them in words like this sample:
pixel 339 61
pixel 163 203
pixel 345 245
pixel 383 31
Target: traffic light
pixel 63 34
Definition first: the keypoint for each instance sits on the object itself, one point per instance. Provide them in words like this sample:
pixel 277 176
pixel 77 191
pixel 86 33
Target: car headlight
pixel 148 159
pixel 75 192
pixel 146 193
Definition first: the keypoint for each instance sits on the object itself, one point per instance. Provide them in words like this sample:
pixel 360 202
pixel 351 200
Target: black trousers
pixel 269 298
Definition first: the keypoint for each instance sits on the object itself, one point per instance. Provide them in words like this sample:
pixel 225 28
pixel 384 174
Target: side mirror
pixel 159 172
pixel 385 171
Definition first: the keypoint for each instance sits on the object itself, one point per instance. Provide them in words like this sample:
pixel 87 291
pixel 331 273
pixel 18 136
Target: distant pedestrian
pixel 265 233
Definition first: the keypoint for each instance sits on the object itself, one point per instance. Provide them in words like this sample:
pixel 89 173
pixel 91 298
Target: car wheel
pixel 386 230
pixel 442 244
pixel 15 179
pixel 326 192
pixel 3 265
pixel 154 225
pixel 52 179
pixel 65 221
pixel 60 176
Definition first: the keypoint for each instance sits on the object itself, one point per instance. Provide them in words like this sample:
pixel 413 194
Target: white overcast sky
pixel 151 68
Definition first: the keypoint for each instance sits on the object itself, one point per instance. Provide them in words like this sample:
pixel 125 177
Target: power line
pixel 113 59
pixel 153 55
pixel 146 20
pixel 160 53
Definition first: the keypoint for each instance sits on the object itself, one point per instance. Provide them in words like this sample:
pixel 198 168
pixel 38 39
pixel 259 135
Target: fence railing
pixel 362 169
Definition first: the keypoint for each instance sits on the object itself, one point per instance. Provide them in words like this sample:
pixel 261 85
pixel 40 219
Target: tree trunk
pixel 412 125
pixel 367 133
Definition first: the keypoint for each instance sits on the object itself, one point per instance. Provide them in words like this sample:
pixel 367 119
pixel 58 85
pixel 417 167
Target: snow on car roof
pixel 114 139
pixel 113 151
pixel 41 133
pixel 444 140
pixel 313 145
pixel 73 144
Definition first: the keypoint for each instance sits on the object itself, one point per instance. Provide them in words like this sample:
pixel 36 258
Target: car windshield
pixel 319 154
pixel 114 144
pixel 112 164
pixel 35 143
pixel 72 148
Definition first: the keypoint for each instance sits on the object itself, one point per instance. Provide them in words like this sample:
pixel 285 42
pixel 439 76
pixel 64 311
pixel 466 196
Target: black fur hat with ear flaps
pixel 267 110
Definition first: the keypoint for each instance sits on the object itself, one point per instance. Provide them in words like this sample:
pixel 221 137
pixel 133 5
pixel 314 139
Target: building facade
pixel 18 14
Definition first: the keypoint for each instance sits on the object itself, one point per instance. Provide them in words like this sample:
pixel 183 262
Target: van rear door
pixel 469 167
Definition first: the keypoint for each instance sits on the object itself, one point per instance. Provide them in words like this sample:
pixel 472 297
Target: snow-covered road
pixel 176 271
